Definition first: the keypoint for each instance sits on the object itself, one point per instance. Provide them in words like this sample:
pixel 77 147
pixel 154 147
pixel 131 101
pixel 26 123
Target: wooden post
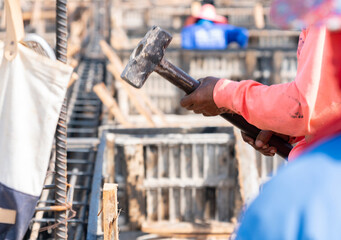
pixel 136 194
pixel 103 93
pixel 73 79
pixel 276 67
pixel 259 15
pixel 247 169
pixel 109 158
pixel 3 20
pixel 36 21
pixel 251 63
pixel 110 213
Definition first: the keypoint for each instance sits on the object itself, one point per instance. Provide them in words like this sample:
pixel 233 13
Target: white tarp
pixel 32 89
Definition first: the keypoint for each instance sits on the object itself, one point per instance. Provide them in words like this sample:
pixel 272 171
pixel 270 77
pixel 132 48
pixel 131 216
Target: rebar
pixel 61 132
pixel 61 32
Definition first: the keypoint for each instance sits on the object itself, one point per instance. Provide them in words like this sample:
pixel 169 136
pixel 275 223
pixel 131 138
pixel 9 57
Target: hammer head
pixel 146 56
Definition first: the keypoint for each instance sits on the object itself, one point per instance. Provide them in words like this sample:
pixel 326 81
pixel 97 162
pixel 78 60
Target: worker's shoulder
pixel 315 171
pixel 312 177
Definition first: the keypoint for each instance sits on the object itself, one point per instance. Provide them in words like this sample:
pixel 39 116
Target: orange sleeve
pixel 284 108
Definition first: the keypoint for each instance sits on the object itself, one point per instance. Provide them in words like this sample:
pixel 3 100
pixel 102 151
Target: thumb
pixel 263 138
pixel 186 101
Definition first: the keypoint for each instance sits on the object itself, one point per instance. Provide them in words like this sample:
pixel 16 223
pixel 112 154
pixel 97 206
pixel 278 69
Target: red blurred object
pixel 332 69
pixel 207 12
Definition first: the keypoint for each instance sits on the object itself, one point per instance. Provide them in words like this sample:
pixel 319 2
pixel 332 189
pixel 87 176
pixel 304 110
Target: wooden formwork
pixel 174 174
pixel 268 166
pixel 188 181
pixel 237 16
pixel 273 66
pixel 222 64
pixel 285 66
pixel 240 3
pixel 272 39
pixel 131 21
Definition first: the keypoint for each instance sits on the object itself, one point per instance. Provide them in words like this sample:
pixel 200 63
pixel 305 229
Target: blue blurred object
pixel 302 201
pixel 206 35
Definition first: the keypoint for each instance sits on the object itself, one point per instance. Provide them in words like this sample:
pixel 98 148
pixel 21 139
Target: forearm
pixel 280 108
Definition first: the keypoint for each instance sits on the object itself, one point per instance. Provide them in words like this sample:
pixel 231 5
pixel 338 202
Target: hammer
pixel 148 56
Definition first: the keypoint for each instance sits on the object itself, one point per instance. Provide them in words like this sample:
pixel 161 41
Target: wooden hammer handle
pixel 185 82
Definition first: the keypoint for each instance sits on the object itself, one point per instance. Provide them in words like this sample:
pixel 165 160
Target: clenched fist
pixel 201 100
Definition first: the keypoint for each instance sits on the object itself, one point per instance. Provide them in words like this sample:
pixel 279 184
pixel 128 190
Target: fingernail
pixel 273 151
pixel 259 143
pixel 265 146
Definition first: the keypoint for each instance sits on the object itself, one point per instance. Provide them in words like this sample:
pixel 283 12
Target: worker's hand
pixel 201 100
pixel 261 143
pixel 262 140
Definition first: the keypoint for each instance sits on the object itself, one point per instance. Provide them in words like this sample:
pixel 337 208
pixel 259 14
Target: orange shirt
pixel 297 108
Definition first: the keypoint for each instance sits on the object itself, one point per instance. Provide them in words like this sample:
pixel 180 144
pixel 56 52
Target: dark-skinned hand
pixel 262 140
pixel 201 100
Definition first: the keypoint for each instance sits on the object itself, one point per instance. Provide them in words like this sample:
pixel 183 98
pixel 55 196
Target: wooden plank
pixel 110 213
pixel 7 216
pixel 72 50
pixel 73 62
pixel 73 79
pixel 109 156
pixel 195 163
pixel 150 204
pixel 276 66
pixel 199 204
pixel 48 14
pixel 103 93
pixel 36 21
pixel 172 205
pixel 3 20
pixel 251 63
pixel 181 183
pixel 182 204
pixel 259 15
pixel 161 170
pixel 247 169
pixel 164 228
pixel 188 215
pixel 159 205
pixel 135 169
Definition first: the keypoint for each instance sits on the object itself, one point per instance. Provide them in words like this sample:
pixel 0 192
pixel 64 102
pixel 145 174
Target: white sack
pixel 32 89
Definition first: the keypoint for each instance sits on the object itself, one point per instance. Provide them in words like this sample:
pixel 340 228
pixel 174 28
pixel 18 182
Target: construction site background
pixel 179 175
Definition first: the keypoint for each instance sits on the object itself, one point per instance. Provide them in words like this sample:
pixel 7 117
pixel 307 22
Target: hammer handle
pixel 185 82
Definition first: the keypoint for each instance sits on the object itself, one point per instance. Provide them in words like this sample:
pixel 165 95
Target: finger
pixel 247 139
pixel 263 138
pixel 271 151
pixel 199 108
pixel 186 101
pixel 198 111
pixel 209 114
pixel 269 154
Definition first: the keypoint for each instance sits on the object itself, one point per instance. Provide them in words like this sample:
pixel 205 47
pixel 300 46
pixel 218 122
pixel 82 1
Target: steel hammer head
pixel 146 56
